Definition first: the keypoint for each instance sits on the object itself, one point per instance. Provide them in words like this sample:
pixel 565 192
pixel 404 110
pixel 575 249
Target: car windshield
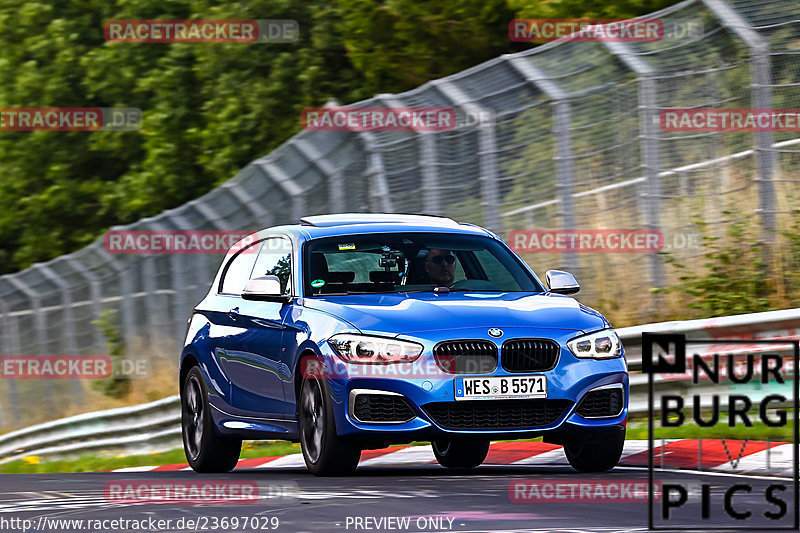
pixel 409 262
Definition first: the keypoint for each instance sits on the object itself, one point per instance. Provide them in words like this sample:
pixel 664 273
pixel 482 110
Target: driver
pixel 441 267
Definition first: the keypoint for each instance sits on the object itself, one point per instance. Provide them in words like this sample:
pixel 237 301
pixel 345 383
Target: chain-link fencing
pixel 573 139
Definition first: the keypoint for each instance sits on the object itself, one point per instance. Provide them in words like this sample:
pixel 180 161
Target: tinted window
pixel 412 262
pixel 237 273
pixel 275 259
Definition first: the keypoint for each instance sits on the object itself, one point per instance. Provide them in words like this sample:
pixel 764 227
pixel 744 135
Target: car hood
pixel 407 313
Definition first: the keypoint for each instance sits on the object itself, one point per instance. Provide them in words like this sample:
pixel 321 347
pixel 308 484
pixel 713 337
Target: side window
pixel 275 259
pixel 237 273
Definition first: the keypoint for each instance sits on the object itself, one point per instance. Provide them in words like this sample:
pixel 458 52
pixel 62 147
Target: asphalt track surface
pixel 475 501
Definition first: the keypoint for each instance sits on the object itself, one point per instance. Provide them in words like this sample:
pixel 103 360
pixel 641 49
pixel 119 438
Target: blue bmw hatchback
pixel 355 331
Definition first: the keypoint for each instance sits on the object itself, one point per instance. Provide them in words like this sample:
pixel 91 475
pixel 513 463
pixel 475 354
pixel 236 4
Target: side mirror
pixel 266 288
pixel 561 282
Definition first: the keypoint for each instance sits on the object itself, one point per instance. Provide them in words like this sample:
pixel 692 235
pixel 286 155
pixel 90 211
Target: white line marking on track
pixel 294 460
pixel 552 457
pixel 410 455
pixel 781 459
pixel 136 469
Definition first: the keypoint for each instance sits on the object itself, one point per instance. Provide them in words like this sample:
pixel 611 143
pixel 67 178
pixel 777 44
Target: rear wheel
pixel 596 453
pixel 205 450
pixel 324 452
pixel 460 453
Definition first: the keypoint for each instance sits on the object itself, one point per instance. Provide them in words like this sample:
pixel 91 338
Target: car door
pixel 254 360
pixel 222 310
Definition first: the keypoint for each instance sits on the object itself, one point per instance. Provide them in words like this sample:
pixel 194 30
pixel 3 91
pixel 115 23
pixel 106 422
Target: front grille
pixel 530 355
pixel 601 403
pixel 466 356
pixel 381 408
pixel 497 414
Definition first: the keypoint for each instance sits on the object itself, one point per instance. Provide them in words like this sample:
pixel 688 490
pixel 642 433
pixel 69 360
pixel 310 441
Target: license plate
pixel 501 387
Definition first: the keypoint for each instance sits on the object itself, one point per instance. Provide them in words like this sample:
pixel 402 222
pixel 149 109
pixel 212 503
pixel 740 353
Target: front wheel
pixel 324 452
pixel 596 453
pixel 460 453
pixel 205 450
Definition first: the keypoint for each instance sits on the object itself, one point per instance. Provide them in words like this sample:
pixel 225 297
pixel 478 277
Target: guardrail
pixel 149 427
pixel 773 325
pixel 155 426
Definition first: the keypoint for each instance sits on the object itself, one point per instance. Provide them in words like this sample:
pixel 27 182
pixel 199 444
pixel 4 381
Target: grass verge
pixel 759 431
pixel 103 463
pixel 637 429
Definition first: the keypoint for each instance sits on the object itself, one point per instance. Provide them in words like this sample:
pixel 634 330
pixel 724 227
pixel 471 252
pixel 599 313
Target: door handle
pixel 233 314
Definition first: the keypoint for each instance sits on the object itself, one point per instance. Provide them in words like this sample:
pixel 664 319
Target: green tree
pixel 208 109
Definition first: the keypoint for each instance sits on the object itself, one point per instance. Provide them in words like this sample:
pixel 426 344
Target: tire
pixel 324 452
pixel 460 453
pixel 206 451
pixel 596 453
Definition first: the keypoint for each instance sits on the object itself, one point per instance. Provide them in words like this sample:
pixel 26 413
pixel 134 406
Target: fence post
pixel 561 123
pixel 259 212
pixel 68 323
pixel 380 199
pixel 292 189
pixel 126 299
pixel 181 306
pixel 431 193
pixel 9 345
pixel 39 322
pixel 39 326
pixel 487 152
pixel 335 182
pixel 94 296
pixel 649 148
pixel 761 85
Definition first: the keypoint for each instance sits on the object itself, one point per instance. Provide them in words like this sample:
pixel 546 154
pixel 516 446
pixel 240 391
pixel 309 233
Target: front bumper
pixel 422 384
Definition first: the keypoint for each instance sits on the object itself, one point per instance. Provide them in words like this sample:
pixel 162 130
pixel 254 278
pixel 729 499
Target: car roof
pixel 351 219
pixel 317 226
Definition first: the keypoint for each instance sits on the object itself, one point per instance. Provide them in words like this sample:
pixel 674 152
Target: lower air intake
pixel 497 414
pixel 381 408
pixel 603 403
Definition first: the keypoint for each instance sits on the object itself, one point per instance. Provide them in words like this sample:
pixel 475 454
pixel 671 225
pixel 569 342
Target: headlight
pixel 365 349
pixel 599 345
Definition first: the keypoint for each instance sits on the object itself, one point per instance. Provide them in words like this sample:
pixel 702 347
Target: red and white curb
pixel 732 456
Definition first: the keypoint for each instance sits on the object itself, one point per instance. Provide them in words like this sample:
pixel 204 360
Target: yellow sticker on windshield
pixel 347 246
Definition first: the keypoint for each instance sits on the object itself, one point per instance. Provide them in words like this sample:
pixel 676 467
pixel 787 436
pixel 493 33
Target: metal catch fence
pixel 574 140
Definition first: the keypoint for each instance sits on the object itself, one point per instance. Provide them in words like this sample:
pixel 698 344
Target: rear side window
pixel 237 272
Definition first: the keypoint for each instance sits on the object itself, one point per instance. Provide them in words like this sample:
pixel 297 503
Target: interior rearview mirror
pixel 561 282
